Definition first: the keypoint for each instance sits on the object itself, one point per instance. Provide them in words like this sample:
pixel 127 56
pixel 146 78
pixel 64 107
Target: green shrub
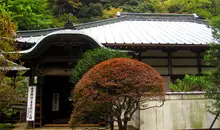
pixel 190 83
pixel 93 57
pixel 5 126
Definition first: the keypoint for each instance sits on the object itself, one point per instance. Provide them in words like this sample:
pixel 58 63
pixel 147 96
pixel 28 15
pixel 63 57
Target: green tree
pixel 212 57
pixel 200 7
pixel 7 35
pixel 62 19
pixel 90 12
pixel 213 91
pixel 93 57
pixel 28 14
pixel 11 88
pixel 111 13
pixel 62 7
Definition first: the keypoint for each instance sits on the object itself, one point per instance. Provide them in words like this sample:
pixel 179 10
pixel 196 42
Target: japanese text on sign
pixel 31 103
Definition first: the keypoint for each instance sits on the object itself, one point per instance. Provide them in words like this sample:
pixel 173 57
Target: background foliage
pixel 54 13
pixel 28 14
pixel 12 89
pixel 213 92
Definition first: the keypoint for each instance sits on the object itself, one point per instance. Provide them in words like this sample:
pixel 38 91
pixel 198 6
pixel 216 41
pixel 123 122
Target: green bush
pixel 5 126
pixel 93 57
pixel 190 83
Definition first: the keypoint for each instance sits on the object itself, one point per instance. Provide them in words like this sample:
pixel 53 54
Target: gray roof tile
pixel 172 30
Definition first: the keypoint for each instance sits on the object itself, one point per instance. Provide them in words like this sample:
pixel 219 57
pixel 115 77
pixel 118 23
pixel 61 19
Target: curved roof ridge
pixel 165 16
pixel 60 32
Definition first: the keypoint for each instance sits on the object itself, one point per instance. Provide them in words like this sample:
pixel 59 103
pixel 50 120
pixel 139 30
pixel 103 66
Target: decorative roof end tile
pixel 69 24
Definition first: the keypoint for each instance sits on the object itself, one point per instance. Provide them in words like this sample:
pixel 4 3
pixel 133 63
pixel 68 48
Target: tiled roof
pixel 146 31
pixel 138 29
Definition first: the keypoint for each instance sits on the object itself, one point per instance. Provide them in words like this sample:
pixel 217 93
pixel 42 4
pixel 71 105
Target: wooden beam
pixel 182 66
pixel 169 64
pixel 173 57
pixel 58 59
pixel 32 74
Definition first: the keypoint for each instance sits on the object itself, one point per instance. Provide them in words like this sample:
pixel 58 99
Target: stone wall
pixel 180 111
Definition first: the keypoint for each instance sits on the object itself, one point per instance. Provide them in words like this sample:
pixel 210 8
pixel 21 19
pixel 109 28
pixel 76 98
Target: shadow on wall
pixel 179 112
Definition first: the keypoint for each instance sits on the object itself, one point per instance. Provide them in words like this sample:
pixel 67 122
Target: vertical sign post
pixel 55 103
pixel 31 103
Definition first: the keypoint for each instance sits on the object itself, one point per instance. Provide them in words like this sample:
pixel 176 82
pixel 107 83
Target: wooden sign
pixel 30 116
pixel 55 102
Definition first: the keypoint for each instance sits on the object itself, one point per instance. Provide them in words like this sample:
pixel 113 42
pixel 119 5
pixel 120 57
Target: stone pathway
pixel 23 126
pixel 20 126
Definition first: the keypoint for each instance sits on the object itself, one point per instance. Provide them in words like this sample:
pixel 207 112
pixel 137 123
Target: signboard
pixel 30 116
pixel 55 102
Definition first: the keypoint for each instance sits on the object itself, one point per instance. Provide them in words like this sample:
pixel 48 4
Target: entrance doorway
pixel 57 105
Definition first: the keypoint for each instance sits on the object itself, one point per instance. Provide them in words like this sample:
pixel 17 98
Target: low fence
pixel 180 111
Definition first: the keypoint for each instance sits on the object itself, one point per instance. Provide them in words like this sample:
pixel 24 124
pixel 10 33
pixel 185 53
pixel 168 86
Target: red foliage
pixel 118 80
pixel 119 75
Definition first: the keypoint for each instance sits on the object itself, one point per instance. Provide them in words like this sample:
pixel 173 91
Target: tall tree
pixel 61 7
pixel 28 14
pixel 10 90
pixel 116 88
pixel 212 57
pixel 7 35
pixel 201 7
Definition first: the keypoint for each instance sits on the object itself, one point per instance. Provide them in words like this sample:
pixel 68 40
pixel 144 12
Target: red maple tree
pixel 115 89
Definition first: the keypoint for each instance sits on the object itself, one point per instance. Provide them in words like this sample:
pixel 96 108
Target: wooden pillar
pixel 169 64
pixel 139 56
pixel 198 56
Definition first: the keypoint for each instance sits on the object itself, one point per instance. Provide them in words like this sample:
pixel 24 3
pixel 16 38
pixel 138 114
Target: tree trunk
pixel 122 126
pixel 112 123
pixel 0 118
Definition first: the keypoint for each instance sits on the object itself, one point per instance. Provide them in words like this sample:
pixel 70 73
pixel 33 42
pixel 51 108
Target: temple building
pixel 173 44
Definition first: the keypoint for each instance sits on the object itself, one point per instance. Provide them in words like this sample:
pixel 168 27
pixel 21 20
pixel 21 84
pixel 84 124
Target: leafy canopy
pixel 116 88
pixel 28 14
pixel 92 57
pixel 7 35
pixel 213 91
pixel 11 89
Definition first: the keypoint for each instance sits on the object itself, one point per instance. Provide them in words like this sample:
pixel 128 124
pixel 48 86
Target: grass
pixel 5 126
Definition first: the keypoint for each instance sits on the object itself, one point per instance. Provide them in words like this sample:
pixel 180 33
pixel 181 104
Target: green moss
pixel 4 126
pixel 196 115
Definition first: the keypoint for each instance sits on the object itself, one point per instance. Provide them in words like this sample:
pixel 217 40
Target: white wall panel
pixel 184 61
pixel 186 70
pixel 162 70
pixel 153 62
pixel 154 53
pixel 184 53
